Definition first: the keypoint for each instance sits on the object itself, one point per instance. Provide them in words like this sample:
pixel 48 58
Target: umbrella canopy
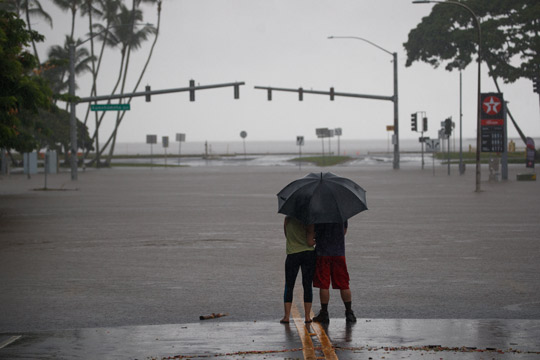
pixel 322 198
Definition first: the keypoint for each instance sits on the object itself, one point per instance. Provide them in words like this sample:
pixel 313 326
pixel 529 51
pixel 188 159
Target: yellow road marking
pixel 327 348
pixel 305 336
pixel 307 344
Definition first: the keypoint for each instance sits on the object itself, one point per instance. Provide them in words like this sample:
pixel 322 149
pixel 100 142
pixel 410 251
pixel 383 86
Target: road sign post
pixel 432 145
pixel 180 138
pixel 165 142
pixel 300 143
pixel 151 139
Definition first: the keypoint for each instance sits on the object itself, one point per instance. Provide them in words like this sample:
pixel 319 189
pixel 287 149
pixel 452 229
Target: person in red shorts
pixel 332 268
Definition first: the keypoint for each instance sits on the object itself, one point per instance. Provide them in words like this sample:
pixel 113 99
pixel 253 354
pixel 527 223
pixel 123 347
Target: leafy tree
pixel 54 131
pixel 510 39
pixel 20 88
pixel 32 8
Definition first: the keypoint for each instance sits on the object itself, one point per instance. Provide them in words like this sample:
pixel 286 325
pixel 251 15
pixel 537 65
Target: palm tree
pixel 58 65
pixel 107 11
pixel 128 39
pixel 32 8
pixel 156 32
pixel 70 5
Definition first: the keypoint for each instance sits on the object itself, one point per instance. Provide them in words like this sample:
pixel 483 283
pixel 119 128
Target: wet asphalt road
pixel 128 247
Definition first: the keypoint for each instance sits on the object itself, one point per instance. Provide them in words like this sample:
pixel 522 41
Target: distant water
pixel 352 148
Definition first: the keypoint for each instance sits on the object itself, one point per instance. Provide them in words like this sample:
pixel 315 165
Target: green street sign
pixel 109 107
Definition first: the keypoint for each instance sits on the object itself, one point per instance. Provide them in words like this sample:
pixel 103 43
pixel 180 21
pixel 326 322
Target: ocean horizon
pixel 347 147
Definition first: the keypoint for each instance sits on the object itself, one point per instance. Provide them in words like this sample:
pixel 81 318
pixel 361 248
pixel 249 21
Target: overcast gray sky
pixel 284 43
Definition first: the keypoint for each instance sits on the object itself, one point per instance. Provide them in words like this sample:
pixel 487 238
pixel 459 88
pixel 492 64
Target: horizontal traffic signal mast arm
pixel 159 92
pixel 329 93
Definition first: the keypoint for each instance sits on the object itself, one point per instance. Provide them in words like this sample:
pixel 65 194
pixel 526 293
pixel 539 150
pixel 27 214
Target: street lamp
pixel 479 100
pixel 395 97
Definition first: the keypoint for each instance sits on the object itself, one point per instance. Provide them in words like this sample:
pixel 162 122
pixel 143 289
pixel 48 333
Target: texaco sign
pixel 492 123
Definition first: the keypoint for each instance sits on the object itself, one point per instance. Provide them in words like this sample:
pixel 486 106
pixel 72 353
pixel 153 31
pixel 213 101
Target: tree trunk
pixel 119 120
pixel 521 134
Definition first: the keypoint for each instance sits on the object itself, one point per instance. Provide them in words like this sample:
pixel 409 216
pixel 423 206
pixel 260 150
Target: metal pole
pixel 46 167
pixel 448 147
pixel 72 118
pixel 461 169
pixel 299 157
pixel 396 114
pixel 433 160
pixel 479 103
pixel 329 147
pixel 479 97
pixel 179 151
pixel 322 141
pixel 504 165
pixel 394 97
pixel 422 143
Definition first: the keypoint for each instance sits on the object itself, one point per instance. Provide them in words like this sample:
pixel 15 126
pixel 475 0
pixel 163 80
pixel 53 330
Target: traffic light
pixel 535 86
pixel 192 91
pixel 269 95
pixel 236 91
pixel 331 94
pixel 448 126
pixel 147 96
pixel 414 126
pixel 424 124
pixel 301 94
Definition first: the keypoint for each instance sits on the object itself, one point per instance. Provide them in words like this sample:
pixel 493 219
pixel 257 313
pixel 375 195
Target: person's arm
pixel 285 225
pixel 345 226
pixel 310 235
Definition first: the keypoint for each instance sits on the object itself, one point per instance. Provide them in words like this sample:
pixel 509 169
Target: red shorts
pixel 331 268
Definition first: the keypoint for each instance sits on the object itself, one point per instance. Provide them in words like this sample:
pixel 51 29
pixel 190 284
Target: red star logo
pixel 491 105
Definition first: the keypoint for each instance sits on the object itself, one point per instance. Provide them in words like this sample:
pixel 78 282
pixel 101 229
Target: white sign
pixel 151 139
pixel 300 140
pixel 433 145
pixel 322 132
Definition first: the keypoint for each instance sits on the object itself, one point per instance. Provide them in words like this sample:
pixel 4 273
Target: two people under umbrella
pixel 321 266
pixel 317 208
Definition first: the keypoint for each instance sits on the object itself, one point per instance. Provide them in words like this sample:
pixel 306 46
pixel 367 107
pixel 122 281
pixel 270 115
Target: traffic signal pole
pixel 332 93
pixel 147 94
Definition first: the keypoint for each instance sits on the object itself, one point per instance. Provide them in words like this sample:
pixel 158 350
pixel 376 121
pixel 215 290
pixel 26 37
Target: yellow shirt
pixel 296 237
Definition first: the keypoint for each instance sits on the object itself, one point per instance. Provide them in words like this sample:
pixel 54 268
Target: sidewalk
pixel 367 339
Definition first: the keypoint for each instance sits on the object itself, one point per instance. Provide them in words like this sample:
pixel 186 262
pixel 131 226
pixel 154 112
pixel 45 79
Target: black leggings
pixel 305 260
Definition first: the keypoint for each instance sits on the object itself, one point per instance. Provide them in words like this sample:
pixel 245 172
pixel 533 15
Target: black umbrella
pixel 322 198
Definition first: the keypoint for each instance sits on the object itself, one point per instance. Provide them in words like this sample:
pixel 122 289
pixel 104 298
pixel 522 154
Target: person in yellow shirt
pixel 300 255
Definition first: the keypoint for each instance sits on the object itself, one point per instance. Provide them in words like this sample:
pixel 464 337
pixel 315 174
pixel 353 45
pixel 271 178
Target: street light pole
pixel 395 97
pixel 479 95
pixel 72 118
